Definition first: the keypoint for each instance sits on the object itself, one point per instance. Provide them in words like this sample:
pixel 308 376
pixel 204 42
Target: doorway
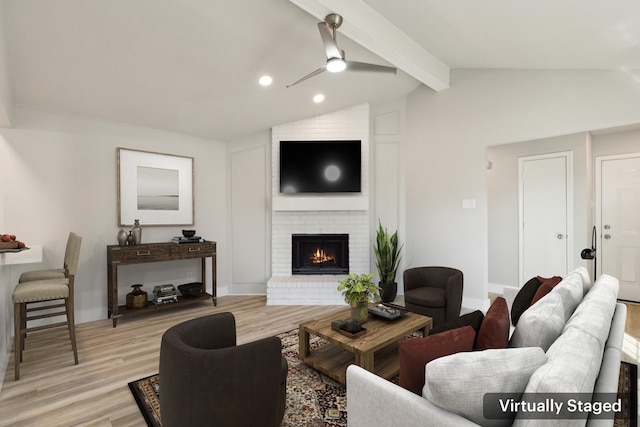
pixel 618 221
pixel 545 214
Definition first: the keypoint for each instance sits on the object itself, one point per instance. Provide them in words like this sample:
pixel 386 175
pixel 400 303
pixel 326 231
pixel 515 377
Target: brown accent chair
pixel 206 379
pixel 434 291
pixel 45 289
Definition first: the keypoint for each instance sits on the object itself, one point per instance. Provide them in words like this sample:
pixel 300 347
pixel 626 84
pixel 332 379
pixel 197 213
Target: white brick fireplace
pixel 318 214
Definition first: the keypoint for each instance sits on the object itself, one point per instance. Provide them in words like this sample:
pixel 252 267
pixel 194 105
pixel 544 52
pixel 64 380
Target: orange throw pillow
pixel 415 353
pixel 494 330
pixel 545 287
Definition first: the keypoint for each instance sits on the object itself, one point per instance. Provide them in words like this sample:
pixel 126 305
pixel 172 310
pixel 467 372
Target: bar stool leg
pixel 17 320
pixel 72 327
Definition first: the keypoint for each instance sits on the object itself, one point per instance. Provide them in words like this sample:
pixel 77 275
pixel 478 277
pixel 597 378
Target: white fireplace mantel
pixel 320 203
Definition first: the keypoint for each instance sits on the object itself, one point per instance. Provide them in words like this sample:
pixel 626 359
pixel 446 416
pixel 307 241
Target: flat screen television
pixel 320 167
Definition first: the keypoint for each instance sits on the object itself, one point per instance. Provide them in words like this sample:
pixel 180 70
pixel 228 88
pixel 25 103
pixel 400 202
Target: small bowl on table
pixel 188 233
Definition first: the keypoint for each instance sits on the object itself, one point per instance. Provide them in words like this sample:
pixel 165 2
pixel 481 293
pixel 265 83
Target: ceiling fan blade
pixel 308 76
pixel 330 46
pixel 361 66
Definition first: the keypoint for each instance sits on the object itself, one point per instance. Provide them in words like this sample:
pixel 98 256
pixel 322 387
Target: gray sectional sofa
pixel 570 341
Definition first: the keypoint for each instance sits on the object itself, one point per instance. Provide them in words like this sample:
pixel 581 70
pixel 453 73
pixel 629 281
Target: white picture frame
pixel 155 188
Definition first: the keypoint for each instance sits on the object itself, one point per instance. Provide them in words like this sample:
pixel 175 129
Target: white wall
pixel 6 96
pixel 503 203
pixel 448 133
pixel 249 212
pixel 59 174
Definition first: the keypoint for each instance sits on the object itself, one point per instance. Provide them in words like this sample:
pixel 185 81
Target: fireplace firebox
pixel 320 254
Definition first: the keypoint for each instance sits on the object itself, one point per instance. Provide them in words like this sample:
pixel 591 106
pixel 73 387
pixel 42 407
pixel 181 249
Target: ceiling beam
pixel 368 28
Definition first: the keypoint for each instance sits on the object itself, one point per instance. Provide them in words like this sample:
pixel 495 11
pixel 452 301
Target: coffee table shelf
pixel 376 351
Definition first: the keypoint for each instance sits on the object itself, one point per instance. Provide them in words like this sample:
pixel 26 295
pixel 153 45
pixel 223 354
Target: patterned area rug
pixel 313 399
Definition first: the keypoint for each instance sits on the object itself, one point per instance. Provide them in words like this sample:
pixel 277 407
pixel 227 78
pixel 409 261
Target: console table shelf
pixel 156 252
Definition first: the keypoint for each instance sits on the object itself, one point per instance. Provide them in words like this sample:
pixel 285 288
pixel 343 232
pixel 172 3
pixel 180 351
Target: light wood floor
pixel 52 391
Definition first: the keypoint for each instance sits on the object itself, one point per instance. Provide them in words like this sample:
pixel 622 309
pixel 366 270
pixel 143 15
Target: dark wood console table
pixel 156 252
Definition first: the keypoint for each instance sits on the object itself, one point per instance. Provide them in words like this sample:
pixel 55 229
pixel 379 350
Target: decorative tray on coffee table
pixel 387 312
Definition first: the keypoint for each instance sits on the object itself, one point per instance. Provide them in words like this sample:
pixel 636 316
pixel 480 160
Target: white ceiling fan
pixel 335 56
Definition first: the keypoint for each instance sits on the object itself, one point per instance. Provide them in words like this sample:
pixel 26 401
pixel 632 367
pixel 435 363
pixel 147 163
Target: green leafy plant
pixel 359 288
pixel 387 254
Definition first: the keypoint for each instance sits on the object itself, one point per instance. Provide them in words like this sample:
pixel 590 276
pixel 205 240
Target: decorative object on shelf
pixel 188 236
pixel 137 232
pixel 155 188
pixel 387 261
pixel 130 239
pixel 191 290
pixel 122 237
pixel 358 290
pixel 164 294
pixel 136 298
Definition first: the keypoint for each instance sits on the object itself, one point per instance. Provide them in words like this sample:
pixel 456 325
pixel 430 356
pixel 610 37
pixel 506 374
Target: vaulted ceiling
pixel 192 66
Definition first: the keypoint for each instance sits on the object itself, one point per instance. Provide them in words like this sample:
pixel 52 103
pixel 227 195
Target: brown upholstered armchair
pixel 206 379
pixel 434 291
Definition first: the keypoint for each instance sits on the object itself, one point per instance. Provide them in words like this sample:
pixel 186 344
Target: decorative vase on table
pixel 359 312
pixel 137 232
pixel 137 298
pixel 122 237
pixel 358 290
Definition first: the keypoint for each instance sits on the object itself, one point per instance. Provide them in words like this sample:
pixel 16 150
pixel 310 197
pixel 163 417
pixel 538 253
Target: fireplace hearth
pixel 320 254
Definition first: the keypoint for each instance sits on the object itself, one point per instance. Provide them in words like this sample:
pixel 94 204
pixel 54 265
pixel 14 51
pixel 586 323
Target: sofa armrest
pixel 374 401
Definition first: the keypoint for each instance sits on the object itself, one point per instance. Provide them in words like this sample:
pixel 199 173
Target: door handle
pixel 607 236
pixel 560 236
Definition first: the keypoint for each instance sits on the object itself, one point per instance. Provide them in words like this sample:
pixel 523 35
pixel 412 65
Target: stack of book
pixel 182 239
pixel 164 294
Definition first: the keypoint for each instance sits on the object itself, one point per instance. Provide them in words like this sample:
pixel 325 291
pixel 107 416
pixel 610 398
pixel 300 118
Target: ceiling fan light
pixel 336 65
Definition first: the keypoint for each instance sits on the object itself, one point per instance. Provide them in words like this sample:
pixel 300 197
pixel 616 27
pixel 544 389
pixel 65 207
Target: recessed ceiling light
pixel 265 80
pixel 318 98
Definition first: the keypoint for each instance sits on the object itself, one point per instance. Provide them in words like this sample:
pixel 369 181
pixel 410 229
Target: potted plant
pixel 358 290
pixel 387 261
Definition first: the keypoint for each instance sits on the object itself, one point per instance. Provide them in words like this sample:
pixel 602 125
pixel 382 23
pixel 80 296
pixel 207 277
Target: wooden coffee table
pixel 375 351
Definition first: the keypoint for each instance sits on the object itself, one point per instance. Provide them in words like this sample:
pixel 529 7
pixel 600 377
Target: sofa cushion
pixel 545 287
pixel 522 301
pixel 473 319
pixel 415 353
pixel 595 312
pixel 586 279
pixel 541 324
pixel 459 382
pixel 494 330
pixel 571 289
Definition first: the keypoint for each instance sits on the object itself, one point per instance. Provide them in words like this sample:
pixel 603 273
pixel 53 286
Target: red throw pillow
pixel 415 353
pixel 494 330
pixel 545 287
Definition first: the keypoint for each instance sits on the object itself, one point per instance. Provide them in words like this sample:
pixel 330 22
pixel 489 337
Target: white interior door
pixel 618 219
pixel 544 215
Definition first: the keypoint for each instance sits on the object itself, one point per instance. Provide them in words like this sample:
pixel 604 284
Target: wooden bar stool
pixel 57 296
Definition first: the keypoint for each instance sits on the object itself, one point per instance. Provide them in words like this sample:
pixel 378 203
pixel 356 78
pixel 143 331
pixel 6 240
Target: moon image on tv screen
pixel 320 167
pixel 332 173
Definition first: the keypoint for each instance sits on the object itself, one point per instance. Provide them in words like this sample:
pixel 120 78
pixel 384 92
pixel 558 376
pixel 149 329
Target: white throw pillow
pixel 541 324
pixel 459 382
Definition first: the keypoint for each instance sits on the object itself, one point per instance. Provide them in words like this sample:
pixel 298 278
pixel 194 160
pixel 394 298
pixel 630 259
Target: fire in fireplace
pixel 320 254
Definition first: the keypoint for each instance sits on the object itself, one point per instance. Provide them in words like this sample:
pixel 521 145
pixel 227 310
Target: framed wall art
pixel 155 188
